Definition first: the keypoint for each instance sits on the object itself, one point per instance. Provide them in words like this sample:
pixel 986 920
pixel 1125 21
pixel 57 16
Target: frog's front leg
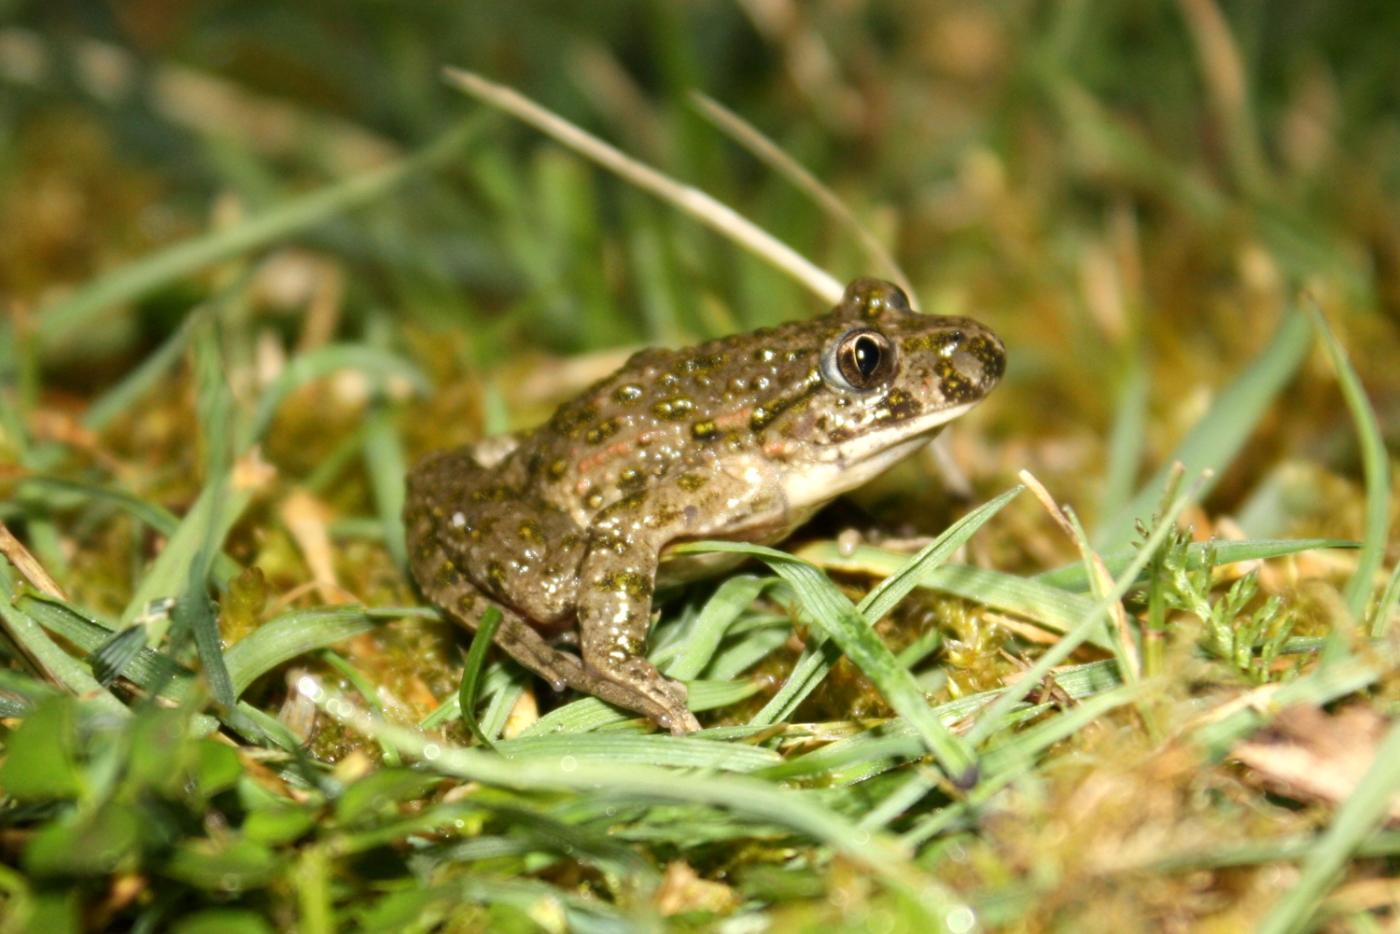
pixel 618 574
pixel 614 613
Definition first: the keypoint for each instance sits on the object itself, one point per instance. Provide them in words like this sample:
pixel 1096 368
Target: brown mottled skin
pixel 563 529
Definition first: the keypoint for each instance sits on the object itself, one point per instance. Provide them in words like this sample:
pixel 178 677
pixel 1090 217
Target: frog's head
pixel 890 379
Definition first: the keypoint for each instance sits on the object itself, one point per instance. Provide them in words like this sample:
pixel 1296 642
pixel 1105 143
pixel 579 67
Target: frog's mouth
pixel 848 464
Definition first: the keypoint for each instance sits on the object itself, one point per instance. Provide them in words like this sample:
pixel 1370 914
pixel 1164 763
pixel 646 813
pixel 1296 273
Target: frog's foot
pixel 638 687
pixel 659 697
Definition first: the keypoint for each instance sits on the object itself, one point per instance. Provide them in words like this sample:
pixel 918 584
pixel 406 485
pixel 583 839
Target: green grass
pixel 220 350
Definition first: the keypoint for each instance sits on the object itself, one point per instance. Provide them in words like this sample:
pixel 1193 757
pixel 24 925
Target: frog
pixel 566 531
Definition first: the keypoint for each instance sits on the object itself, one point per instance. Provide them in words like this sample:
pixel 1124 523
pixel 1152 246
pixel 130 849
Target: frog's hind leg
pixel 523 643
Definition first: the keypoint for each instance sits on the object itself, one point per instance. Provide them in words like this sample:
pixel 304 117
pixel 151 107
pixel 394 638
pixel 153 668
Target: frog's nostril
pixel 950 344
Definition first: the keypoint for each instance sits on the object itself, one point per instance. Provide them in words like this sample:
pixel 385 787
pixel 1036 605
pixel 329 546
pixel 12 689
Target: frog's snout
pixel 980 359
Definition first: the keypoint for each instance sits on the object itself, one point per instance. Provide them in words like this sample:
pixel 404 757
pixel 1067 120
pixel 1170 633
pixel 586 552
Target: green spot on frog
pixel 630 503
pixel 690 482
pixel 602 431
pixel 956 387
pixel 703 363
pixel 675 407
pixel 992 358
pixel 628 393
pixel 704 431
pixel 631 583
pixel 901 405
pixel 571 420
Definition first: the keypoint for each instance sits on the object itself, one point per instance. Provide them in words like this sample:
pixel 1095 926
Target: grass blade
pixel 719 217
pixel 471 673
pixel 1375 465
pixel 990 720
pixel 288 219
pixel 1073 576
pixel 888 594
pixel 848 628
pixel 739 794
pixel 771 155
pixel 54 663
pixel 295 633
pixel 1358 816
pixel 657 749
pixel 1055 609
pixel 320 363
pixel 589 713
pixel 730 600
pixel 1380 621
pixel 1127 438
pixel 1213 442
pixel 387 466
pixel 912 572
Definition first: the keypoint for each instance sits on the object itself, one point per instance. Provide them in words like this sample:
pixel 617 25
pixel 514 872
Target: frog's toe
pixel 680 722
pixel 678 718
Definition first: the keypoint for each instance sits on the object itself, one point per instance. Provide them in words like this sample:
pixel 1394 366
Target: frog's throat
pixel 842 467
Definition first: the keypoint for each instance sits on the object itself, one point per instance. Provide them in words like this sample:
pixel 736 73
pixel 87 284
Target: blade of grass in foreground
pixel 849 629
pixel 589 713
pixel 1213 442
pixel 730 600
pixel 737 794
pixel 211 517
pixel 1375 465
pixel 990 720
pixel 1380 621
pixel 287 219
pixel 895 740
pixel 887 595
pixel 1358 816
pixel 1055 609
pixel 471 673
pixel 657 749
pixel 813 665
pixel 55 664
pixel 279 640
pixel 194 611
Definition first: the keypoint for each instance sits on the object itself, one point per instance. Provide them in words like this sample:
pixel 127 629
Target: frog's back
pixel 669 418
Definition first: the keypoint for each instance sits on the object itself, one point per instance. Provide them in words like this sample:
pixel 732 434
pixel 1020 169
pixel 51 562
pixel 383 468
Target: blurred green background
pixel 1133 194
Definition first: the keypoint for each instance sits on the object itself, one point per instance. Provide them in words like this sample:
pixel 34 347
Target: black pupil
pixel 867 355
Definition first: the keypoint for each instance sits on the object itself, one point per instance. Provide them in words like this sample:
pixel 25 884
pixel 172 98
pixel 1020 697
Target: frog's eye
pixel 858 360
